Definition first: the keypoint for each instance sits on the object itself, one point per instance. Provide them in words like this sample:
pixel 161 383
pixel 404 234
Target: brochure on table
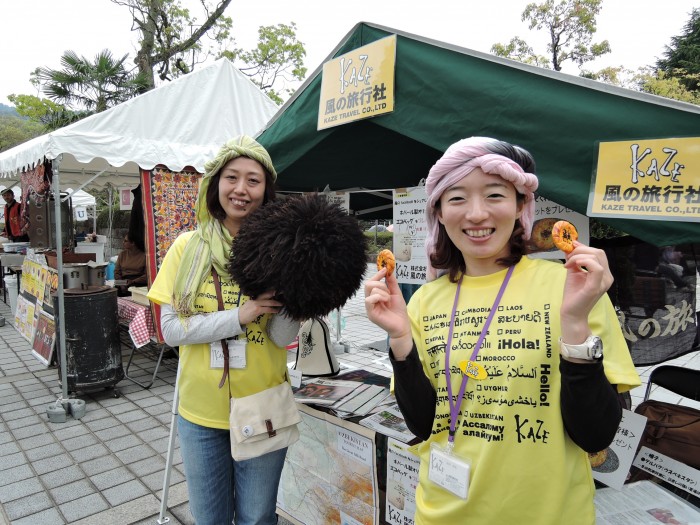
pixel 390 422
pixel 642 502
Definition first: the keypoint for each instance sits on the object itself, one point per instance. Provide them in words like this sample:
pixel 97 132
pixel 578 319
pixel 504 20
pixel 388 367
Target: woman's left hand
pixel 262 304
pixel 588 278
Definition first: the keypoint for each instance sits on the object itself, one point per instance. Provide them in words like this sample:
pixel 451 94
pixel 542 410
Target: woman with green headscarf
pixel 237 182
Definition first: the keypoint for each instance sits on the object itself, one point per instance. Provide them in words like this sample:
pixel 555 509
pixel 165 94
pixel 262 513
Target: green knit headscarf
pixel 211 243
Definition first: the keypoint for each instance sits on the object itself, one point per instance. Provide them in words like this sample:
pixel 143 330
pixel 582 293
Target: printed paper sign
pixel 611 465
pixel 409 235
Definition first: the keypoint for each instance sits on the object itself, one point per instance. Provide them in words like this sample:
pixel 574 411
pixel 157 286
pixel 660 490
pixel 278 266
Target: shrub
pixel 377 242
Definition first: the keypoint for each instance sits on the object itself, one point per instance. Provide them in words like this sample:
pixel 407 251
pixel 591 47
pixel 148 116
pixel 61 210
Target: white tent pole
pixel 60 318
pixel 162 518
pixel 110 194
pixel 89 180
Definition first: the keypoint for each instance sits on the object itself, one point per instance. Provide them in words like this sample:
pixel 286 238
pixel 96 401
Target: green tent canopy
pixel 445 93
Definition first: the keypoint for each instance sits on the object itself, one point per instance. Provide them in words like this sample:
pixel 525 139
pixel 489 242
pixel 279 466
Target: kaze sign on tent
pixel 654 179
pixel 359 84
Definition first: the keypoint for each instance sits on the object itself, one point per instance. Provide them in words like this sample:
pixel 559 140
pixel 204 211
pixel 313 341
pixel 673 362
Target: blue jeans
pixel 222 489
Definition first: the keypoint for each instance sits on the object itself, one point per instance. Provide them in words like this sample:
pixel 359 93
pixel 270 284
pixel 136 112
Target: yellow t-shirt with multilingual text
pixel 524 466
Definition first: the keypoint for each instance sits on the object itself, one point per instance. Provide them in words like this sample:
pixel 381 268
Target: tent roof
pixel 445 93
pixel 81 198
pixel 179 124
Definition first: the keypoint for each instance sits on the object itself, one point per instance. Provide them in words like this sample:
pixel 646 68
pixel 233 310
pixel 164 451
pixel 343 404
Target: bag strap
pixel 224 344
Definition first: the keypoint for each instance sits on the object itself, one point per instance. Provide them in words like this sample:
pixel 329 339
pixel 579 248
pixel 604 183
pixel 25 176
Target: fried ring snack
pixel 564 234
pixel 386 259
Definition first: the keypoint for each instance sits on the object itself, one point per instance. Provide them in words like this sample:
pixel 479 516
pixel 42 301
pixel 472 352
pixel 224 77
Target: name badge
pixel 236 354
pixel 449 471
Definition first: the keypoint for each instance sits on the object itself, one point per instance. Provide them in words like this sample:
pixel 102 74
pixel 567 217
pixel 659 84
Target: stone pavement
pixel 108 467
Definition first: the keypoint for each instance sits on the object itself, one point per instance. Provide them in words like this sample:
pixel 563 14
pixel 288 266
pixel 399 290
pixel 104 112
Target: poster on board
pixel 341 198
pixel 410 230
pixel 126 198
pixel 44 338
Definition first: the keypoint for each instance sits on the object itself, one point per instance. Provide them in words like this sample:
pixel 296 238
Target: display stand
pixel 329 453
pixel 34 315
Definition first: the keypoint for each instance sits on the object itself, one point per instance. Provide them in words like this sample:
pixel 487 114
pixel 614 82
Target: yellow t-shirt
pixel 201 400
pixel 524 467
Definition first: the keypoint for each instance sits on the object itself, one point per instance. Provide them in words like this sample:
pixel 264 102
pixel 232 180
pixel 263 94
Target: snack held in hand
pixel 564 234
pixel 386 259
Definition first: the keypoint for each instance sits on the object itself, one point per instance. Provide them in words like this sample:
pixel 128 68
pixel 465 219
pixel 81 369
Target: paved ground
pixel 108 467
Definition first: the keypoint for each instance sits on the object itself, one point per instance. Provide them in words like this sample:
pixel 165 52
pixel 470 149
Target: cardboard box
pixel 69 257
pixel 138 295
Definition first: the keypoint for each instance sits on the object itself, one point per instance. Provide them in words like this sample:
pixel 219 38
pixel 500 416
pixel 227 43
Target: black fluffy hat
pixel 306 249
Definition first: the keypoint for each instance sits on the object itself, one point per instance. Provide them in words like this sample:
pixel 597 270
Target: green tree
pixel 518 49
pixel 278 58
pixel 34 108
pixel 42 111
pixel 170 40
pixel 15 130
pixel 661 83
pixel 173 42
pixel 681 59
pixel 571 25
pixel 92 86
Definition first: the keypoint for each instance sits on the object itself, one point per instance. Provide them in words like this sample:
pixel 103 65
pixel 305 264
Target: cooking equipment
pixel 75 275
pixel 96 274
pixel 93 347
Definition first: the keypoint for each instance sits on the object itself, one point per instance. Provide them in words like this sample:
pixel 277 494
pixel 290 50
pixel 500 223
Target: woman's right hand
pixel 386 308
pixel 253 308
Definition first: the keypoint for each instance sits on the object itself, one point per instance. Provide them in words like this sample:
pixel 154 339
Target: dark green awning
pixel 445 93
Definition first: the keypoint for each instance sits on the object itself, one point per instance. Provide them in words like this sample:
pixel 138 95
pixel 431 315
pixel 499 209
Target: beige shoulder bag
pixel 262 422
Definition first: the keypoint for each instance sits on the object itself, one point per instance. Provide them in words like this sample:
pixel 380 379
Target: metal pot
pixel 96 274
pixel 75 275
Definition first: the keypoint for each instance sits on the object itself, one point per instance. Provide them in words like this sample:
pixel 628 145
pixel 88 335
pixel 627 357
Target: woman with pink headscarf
pixel 498 360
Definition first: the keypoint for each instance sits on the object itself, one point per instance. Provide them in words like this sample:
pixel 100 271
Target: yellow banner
pixel 359 84
pixel 656 179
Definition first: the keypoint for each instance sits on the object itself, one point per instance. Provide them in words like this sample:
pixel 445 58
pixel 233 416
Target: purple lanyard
pixel 454 409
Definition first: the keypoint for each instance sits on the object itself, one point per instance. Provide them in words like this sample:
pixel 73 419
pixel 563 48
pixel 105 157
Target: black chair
pixel 682 381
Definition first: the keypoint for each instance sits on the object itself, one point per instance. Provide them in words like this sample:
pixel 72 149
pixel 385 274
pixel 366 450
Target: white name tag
pixel 236 354
pixel 295 377
pixel 448 471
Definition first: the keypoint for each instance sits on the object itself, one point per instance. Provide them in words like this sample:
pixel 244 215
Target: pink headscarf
pixel 458 161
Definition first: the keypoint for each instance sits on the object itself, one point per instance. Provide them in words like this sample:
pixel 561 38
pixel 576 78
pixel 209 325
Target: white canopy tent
pixel 79 198
pixel 182 123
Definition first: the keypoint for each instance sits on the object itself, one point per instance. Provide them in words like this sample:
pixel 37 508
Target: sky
pixel 36 33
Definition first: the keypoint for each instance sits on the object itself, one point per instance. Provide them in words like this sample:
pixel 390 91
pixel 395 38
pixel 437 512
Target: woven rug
pixel 168 209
